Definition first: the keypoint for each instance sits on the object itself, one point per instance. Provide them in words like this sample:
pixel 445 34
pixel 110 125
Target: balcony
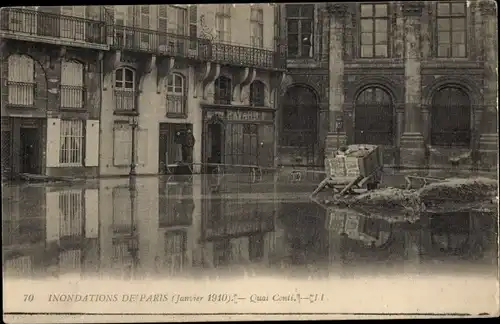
pixel 21 94
pixel 160 43
pixel 125 102
pixel 45 27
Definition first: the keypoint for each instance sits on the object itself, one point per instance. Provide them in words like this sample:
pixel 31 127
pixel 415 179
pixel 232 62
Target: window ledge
pixel 10 105
pixel 126 113
pixel 81 109
pixel 71 165
pixel 176 115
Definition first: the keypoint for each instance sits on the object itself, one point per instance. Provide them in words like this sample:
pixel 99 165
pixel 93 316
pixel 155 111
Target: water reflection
pixel 204 226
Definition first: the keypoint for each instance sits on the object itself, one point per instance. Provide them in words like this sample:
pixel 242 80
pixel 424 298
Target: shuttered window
pixel 223 23
pixel 21 80
pixel 257 27
pixel 72 84
pixel 124 21
pixel 193 26
pixel 176 95
pixel 122 147
pixel 163 25
pixel 72 139
pixel 73 28
pixel 145 24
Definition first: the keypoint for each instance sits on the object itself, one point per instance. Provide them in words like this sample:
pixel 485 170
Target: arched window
pixel 299 117
pixel 176 95
pixel 71 84
pixel 223 91
pixel 257 94
pixel 21 76
pixel 451 118
pixel 125 89
pixel 374 117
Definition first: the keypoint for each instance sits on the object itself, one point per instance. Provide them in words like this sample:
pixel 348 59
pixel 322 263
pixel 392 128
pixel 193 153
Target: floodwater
pixel 204 226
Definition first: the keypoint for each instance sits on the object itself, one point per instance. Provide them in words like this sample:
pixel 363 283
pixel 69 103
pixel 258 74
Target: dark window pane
pixel 306 51
pixel 129 75
pixel 306 26
pixel 307 11
pixel 293 41
pixel 292 10
pixel 119 75
pixel 293 26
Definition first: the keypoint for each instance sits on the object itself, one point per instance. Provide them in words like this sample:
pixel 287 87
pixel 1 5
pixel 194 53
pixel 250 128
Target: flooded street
pixel 203 227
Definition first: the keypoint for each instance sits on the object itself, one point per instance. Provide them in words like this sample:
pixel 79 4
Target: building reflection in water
pixel 202 225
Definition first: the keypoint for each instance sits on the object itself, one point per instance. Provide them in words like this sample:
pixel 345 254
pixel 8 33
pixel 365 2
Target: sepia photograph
pixel 250 161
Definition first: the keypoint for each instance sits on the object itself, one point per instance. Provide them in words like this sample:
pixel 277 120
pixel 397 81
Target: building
pixel 50 93
pixel 177 67
pixel 418 78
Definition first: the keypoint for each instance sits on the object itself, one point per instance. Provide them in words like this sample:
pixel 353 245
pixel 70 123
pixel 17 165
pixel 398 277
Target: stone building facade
pixel 418 78
pixel 51 90
pixel 171 69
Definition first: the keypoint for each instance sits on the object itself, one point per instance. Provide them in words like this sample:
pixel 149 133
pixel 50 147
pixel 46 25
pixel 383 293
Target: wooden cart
pixel 344 173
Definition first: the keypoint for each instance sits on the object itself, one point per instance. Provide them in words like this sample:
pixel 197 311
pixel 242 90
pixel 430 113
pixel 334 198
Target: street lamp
pixel 133 123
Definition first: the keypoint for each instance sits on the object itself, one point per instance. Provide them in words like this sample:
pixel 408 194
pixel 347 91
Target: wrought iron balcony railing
pixel 72 97
pixel 27 22
pixel 155 42
pixel 125 101
pixel 176 105
pixel 21 94
pixel 161 43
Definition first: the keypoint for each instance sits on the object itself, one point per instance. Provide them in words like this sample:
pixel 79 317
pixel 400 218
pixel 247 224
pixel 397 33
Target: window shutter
pixel 52 216
pixel 92 143
pixel 91 213
pixel 53 142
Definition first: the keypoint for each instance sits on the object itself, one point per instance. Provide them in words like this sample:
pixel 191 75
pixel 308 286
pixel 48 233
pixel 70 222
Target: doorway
pixel 30 150
pixel 170 135
pixel 215 147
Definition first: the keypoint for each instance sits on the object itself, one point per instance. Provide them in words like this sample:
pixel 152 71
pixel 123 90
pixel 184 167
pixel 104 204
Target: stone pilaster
pixel 412 140
pixel 488 140
pixel 337 13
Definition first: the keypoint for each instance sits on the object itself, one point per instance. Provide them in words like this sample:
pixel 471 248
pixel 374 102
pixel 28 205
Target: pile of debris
pixel 459 190
pixel 358 151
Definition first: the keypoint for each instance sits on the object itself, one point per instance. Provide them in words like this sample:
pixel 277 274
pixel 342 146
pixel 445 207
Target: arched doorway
pixel 374 117
pixel 451 118
pixel 299 126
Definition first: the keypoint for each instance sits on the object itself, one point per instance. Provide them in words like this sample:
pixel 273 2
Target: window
pixel 299 116
pixel 122 148
pixel 21 83
pixel 145 24
pixel 124 21
pixel 73 28
pixel 124 90
pixel 223 23
pixel 71 209
pixel 374 35
pixel 176 96
pixel 257 95
pixel 71 153
pixel 451 118
pixel 176 25
pixel 223 91
pixel 72 84
pixel 451 29
pixel 193 26
pixel 300 30
pixel 257 27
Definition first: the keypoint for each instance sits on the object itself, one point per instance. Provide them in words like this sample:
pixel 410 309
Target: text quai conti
pixel 176 298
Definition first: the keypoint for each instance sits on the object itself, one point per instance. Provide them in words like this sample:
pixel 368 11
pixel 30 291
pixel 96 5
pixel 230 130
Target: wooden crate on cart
pixel 357 166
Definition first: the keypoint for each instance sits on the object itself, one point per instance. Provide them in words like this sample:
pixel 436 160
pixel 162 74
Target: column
pixel 337 12
pixel 489 132
pixel 412 141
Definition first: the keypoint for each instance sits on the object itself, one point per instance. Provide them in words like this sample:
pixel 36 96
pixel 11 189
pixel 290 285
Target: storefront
pixel 239 135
